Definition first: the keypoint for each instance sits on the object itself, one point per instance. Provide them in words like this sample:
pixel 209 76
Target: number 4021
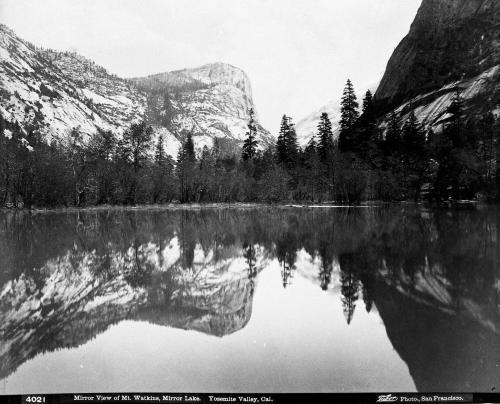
pixel 35 399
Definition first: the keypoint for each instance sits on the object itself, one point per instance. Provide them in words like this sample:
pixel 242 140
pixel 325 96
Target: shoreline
pixel 250 205
pixel 161 207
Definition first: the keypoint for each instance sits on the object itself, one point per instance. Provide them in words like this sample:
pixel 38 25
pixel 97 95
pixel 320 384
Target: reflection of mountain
pixel 438 295
pixel 74 305
pixel 444 351
pixel 224 310
pixel 75 296
pixel 433 278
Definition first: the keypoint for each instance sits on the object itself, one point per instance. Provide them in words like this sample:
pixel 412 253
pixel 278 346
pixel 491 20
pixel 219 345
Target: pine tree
pixel 138 142
pixel 350 293
pixel 287 148
pixel 167 110
pixel 349 117
pixel 162 159
pixel 187 150
pixel 368 110
pixel 250 258
pixel 250 144
pixel 393 135
pixel 161 172
pixel 186 160
pixel 454 128
pixel 292 145
pixel 79 164
pixel 326 267
pixel 102 149
pixel 325 137
pixel 369 140
pixel 413 137
pixel 281 146
pixel 160 152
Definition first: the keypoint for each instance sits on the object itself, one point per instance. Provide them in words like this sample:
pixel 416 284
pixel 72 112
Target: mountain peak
pixel 209 74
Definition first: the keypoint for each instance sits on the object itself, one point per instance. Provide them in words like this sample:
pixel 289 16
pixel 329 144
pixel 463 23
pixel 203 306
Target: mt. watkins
pixel 211 102
pixel 53 92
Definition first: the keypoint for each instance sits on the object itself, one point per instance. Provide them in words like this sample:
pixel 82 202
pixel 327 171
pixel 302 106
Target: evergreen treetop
pixel 393 134
pixel 287 148
pixel 349 116
pixel 325 137
pixel 413 136
pixel 250 144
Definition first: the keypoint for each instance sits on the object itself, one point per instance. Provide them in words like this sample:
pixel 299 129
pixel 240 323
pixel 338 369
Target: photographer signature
pixel 388 398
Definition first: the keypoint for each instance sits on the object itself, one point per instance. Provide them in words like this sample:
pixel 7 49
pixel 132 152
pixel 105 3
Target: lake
pixel 267 299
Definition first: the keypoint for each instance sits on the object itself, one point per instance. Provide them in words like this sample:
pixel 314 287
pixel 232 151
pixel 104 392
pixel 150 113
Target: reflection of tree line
pixel 399 243
pixel 398 246
pixel 459 247
pixel 250 259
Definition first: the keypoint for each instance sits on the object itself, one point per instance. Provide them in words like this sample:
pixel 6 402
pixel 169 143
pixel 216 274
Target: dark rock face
pixel 449 41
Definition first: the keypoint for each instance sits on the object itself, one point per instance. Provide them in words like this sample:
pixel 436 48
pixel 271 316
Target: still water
pixel 250 300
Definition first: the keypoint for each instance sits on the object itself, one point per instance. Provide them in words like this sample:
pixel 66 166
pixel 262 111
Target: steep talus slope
pixel 115 99
pixel 453 45
pixel 53 92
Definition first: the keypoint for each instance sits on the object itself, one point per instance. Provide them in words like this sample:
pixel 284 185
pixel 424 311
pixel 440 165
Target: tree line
pixel 394 160
pixel 390 159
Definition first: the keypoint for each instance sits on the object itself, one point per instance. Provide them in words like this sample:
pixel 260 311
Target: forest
pixel 397 161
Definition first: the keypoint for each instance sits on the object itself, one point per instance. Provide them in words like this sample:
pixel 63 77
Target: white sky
pixel 297 53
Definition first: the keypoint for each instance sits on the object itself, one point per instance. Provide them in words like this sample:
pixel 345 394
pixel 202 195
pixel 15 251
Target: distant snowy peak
pixel 307 127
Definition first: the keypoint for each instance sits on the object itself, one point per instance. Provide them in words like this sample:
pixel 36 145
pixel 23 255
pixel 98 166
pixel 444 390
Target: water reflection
pixel 432 276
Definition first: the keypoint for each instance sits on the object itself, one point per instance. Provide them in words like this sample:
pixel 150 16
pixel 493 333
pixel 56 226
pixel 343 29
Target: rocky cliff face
pixel 453 45
pixel 53 92
pixel 211 102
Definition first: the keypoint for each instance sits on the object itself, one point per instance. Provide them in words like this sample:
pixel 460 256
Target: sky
pixel 297 53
